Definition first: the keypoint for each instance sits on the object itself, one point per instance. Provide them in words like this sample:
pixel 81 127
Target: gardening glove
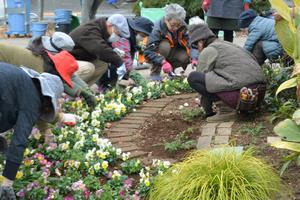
pixel 89 98
pixel 205 5
pixel 7 193
pixel 69 119
pixel 194 63
pixel 167 67
pixel 3 144
pixel 120 52
pixel 121 71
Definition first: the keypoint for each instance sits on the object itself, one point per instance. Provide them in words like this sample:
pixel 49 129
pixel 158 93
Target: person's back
pixel 20 56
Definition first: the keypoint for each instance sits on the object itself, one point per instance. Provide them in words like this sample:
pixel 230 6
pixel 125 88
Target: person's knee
pixel 192 78
pixel 164 48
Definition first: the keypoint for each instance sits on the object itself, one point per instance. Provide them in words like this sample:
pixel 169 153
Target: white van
pixel 2 9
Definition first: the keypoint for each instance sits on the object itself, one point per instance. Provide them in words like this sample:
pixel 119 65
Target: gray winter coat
pixel 228 67
pixel 228 9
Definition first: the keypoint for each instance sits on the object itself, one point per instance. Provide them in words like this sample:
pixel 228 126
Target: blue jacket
pixel 262 29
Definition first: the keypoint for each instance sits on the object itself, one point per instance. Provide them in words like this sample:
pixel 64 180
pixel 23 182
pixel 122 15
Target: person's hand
pixel 166 67
pixel 277 16
pixel 7 193
pixel 89 98
pixel 120 52
pixel 121 71
pixel 205 5
pixel 194 63
pixel 69 119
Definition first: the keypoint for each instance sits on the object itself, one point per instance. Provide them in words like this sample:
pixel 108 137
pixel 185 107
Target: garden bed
pixel 253 133
pixel 160 134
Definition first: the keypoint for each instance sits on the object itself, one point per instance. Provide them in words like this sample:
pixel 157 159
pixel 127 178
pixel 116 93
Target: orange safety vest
pixel 182 41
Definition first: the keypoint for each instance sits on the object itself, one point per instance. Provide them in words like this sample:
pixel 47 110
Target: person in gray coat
pixel 262 40
pixel 223 69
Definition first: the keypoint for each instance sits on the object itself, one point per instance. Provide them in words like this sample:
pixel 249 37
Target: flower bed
pixel 82 164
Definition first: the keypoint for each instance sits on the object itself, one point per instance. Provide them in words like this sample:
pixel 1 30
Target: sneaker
pixel 224 113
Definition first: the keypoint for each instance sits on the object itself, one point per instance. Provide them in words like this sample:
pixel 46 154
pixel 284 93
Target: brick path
pixel 124 133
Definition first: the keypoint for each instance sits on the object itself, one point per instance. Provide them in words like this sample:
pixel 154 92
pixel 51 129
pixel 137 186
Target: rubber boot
pixel 206 104
pixel 224 113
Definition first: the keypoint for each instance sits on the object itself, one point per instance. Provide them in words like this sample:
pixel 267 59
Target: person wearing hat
pixel 167 47
pixel 25 97
pixel 223 15
pixel 262 41
pixel 140 28
pixel 93 44
pixel 42 46
pixel 223 69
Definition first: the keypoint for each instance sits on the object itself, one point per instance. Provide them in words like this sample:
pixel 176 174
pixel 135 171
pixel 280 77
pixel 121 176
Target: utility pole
pixel 41 9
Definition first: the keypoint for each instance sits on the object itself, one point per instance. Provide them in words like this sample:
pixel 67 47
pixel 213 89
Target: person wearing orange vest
pixel 167 46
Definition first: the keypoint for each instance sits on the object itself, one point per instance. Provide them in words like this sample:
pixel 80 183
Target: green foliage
pixel 284 111
pixel 254 130
pixel 275 76
pixel 190 114
pixel 132 166
pixel 289 131
pixel 181 142
pixel 260 5
pixel 218 175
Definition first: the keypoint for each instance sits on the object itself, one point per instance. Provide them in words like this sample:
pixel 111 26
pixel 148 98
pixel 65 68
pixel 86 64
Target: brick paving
pixel 124 133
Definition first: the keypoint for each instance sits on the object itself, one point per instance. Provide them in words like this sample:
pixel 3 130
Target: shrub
pixel 218 175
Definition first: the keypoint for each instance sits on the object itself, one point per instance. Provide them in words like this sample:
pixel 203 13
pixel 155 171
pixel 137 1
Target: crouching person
pixel 223 69
pixel 26 97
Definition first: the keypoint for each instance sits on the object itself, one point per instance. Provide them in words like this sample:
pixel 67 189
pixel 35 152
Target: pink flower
pixel 86 194
pixel 122 193
pixel 68 197
pixel 43 162
pixel 79 185
pixel 109 175
pixel 98 193
pixel 127 183
pixel 52 146
pixel 39 156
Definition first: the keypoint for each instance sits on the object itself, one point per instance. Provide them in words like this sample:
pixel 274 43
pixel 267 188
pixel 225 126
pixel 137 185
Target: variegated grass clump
pixel 218 175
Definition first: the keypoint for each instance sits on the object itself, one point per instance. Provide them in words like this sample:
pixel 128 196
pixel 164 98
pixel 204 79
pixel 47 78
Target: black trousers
pixel 197 82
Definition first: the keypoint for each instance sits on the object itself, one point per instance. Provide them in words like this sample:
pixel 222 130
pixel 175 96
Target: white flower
pixel 95 123
pixel 85 115
pixel 185 81
pixel 90 154
pixel 64 146
pixel 149 95
pixel 166 164
pixel 185 104
pixel 118 151
pixel 125 156
pixel 116 174
pixel 181 107
pixel 78 144
pixel 96 114
pixel 97 166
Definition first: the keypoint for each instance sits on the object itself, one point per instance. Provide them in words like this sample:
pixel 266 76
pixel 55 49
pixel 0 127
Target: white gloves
pixel 69 119
pixel 120 52
pixel 121 71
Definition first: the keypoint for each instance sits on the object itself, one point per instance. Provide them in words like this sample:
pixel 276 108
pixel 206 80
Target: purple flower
pixel 69 197
pixel 21 193
pixel 122 193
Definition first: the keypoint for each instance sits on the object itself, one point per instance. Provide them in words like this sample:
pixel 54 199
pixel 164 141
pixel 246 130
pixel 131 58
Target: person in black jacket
pixel 25 98
pixel 167 47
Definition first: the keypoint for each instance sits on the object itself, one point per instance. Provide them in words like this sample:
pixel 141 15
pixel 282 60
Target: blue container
pixel 18 12
pixel 39 28
pixel 16 24
pixel 63 16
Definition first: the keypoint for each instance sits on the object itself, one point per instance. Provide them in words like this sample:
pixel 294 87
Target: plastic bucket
pixel 154 14
pixel 16 23
pixel 15 3
pixel 39 28
pixel 63 16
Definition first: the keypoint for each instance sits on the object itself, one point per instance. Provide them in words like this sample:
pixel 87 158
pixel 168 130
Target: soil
pixel 271 155
pixel 166 126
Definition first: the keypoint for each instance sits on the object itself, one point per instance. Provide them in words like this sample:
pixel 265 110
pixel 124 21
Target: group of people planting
pixel 103 50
